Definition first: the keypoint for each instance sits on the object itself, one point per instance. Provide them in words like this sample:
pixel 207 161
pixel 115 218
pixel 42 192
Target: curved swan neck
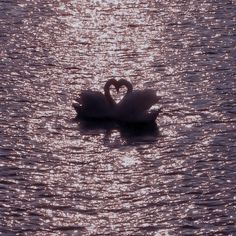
pixel 127 84
pixel 117 85
pixel 107 91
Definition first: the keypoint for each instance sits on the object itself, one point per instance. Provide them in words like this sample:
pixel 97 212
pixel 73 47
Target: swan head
pixel 109 83
pixel 126 83
pixel 117 84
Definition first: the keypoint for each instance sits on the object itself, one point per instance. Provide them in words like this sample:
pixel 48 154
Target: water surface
pixel 59 177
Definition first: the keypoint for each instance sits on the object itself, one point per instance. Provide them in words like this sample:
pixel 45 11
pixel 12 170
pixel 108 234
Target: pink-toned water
pixel 58 177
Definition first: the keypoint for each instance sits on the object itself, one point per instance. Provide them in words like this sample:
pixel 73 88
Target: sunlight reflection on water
pixel 129 161
pixel 61 177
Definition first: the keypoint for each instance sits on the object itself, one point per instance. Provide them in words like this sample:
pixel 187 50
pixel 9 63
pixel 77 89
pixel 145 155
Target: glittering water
pixel 61 177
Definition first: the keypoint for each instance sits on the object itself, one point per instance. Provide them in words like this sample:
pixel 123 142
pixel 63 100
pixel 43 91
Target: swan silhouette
pixel 133 108
pixel 94 105
pixel 135 105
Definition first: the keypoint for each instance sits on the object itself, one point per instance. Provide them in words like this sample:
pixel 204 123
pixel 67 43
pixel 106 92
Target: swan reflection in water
pixel 131 133
pixel 131 116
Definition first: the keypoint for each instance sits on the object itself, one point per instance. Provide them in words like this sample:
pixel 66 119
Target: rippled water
pixel 59 177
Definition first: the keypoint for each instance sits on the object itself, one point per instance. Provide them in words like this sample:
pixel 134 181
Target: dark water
pixel 59 177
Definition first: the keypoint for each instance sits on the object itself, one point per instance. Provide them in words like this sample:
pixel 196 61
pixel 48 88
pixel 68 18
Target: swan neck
pixel 127 84
pixel 107 91
pixel 129 87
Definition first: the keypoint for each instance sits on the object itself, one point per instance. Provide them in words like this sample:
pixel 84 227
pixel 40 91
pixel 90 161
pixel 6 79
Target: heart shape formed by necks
pixel 117 84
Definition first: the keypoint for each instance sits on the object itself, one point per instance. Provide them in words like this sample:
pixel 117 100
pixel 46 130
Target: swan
pixel 96 105
pixel 133 108
pixel 135 105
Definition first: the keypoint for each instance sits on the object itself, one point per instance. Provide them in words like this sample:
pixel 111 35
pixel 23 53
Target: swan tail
pixel 153 114
pixel 76 106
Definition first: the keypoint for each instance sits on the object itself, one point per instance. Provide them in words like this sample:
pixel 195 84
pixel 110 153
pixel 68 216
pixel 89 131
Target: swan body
pixel 94 104
pixel 133 108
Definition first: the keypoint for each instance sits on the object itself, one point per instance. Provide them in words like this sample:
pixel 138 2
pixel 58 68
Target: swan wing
pixel 138 101
pixel 92 104
pixel 92 99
